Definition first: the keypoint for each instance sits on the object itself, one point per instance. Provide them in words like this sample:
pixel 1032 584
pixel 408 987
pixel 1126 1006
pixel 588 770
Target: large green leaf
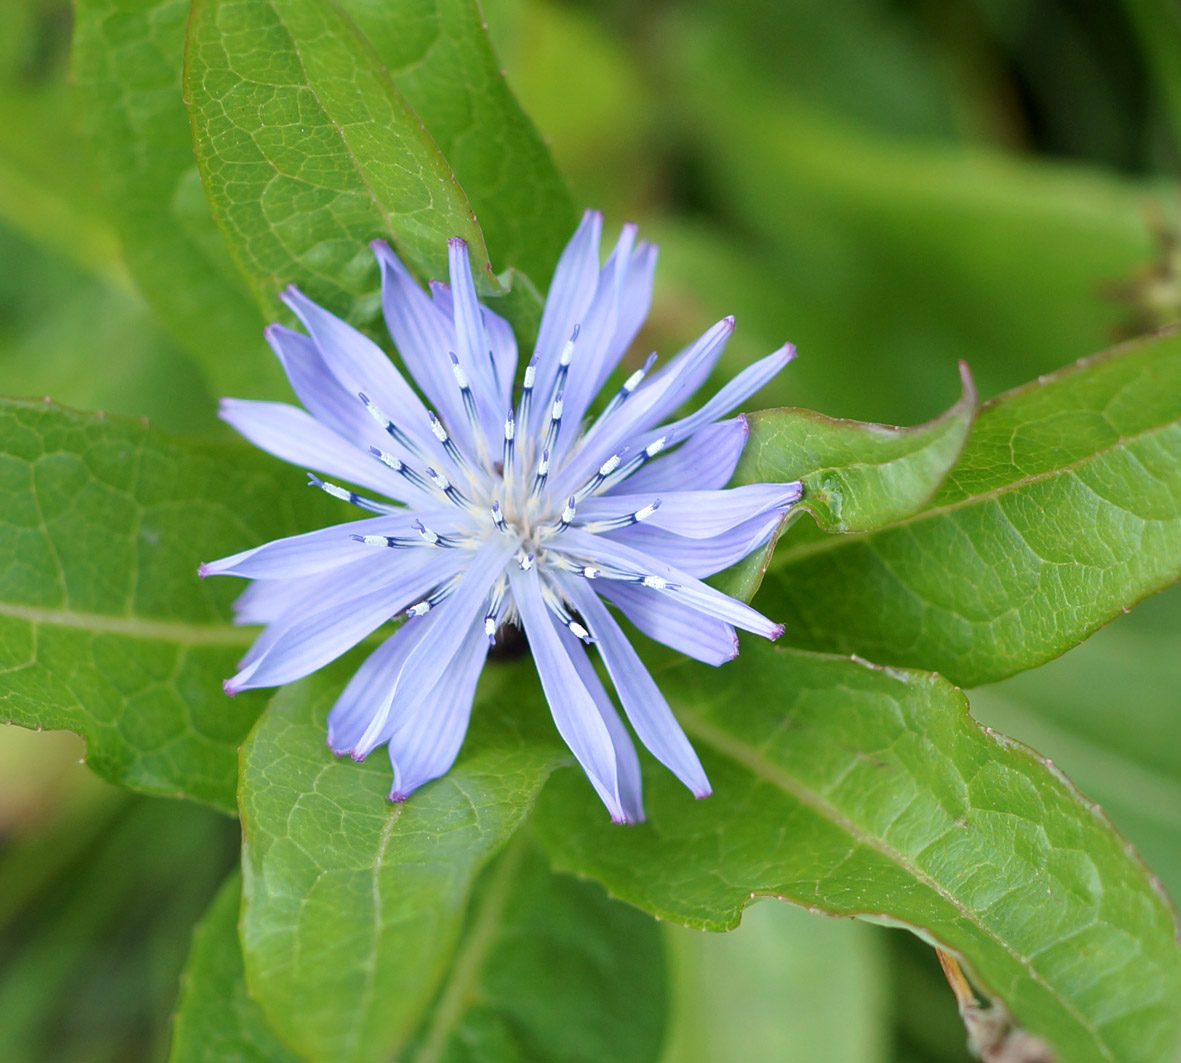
pixel 308 151
pixel 441 60
pixel 861 790
pixel 1064 510
pixel 353 906
pixel 105 628
pixel 127 63
pixel 216 1020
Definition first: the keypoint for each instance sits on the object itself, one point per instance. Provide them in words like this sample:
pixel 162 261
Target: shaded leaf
pixel 1064 510
pixel 105 628
pixel 307 152
pixel 216 1020
pixel 127 62
pixel 549 970
pixel 353 906
pixel 441 60
pixel 868 791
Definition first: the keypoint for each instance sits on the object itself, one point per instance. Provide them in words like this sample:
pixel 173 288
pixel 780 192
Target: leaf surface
pixel 441 60
pixel 857 477
pixel 127 59
pixel 353 906
pixel 105 628
pixel 1064 510
pixel 308 151
pixel 861 790
pixel 216 1020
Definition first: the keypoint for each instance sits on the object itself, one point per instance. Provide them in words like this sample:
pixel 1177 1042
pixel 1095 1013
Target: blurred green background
pixel 894 185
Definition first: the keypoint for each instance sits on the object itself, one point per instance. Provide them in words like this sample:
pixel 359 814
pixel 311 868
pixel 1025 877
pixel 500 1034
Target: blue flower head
pixel 531 512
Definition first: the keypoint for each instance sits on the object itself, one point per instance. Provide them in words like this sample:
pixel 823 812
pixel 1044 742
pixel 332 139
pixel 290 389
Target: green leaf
pixel 308 151
pixel 441 60
pixel 353 906
pixel 1107 714
pixel 105 628
pixel 127 64
pixel 549 970
pixel 868 791
pixel 857 477
pixel 216 1020
pixel 1064 510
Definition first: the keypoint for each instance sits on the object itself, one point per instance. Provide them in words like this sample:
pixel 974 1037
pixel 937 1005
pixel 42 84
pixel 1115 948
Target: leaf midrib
pixel 175 631
pixel 750 759
pixel 833 542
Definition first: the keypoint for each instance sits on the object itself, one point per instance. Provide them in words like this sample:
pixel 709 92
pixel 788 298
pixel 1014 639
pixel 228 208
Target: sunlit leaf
pixel 105 628
pixel 867 791
pixel 1064 510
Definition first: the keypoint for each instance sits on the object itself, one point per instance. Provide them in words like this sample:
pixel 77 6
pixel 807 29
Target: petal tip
pixel 230 687
pixel 203 570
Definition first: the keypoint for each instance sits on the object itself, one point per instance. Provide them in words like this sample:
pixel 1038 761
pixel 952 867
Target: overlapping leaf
pixel 353 906
pixel 1064 510
pixel 868 791
pixel 857 477
pixel 440 58
pixel 104 627
pixel 308 151
pixel 127 63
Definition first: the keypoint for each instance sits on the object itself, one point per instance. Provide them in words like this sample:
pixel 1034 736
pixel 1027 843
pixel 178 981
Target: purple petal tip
pixel 229 687
pixel 459 243
pixel 398 797
pixel 701 795
pixel 779 630
pixel 203 570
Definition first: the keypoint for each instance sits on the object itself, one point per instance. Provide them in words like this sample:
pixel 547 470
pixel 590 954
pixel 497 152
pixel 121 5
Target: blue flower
pixel 498 513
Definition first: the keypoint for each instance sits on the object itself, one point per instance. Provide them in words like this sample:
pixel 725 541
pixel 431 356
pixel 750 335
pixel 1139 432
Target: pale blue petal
pixel 704 462
pixel 362 367
pixel 627 764
pixel 635 300
pixel 573 707
pixel 649 713
pixel 296 436
pixel 315 551
pixel 681 586
pixel 423 335
pixel 735 392
pixel 571 291
pixel 701 557
pixel 675 624
pixel 321 393
pixel 318 637
pixel 427 744
pixel 651 401
pixel 368 692
pixel 697 514
pixel 431 658
pixel 473 348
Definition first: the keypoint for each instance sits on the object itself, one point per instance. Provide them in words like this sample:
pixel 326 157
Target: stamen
pixel 393 430
pixel 555 423
pixel 452 492
pixel 605 470
pixel 400 467
pixel 542 473
pixel 510 437
pixel 469 402
pixel 495 606
pixel 428 603
pixel 498 518
pixel 629 385
pixel 345 495
pixel 526 562
pixel 567 516
pixel 384 540
pixel 634 464
pixel 558 608
pixel 527 391
pixel 434 538
pixel 449 446
pixel 626 521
